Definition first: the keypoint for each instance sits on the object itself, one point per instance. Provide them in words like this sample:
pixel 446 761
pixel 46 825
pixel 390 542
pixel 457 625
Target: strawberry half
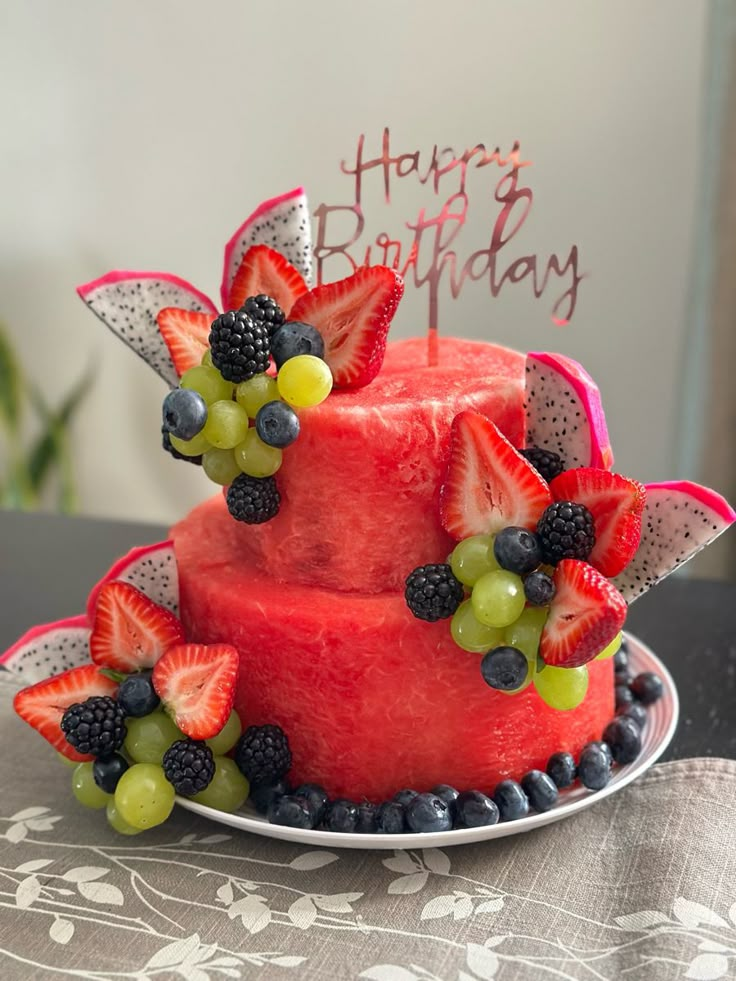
pixel 616 503
pixel 186 334
pixel 130 631
pixel 262 270
pixel 196 683
pixel 43 705
pixel 489 486
pixel 585 615
pixel 353 316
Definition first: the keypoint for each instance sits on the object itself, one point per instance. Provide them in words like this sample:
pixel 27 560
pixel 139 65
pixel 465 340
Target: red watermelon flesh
pixel 360 487
pixel 372 699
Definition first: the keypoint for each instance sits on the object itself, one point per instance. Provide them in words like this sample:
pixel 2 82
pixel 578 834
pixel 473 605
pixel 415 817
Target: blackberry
pixel 262 754
pixel 566 531
pixel 189 766
pixel 547 463
pixel 95 726
pixel 266 311
pixel 253 499
pixel 166 443
pixel 240 346
pixel 433 593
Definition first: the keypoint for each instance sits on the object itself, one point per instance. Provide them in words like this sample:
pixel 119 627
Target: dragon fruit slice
pixel 128 303
pixel 281 223
pixel 150 568
pixel 49 649
pixel 564 412
pixel 679 519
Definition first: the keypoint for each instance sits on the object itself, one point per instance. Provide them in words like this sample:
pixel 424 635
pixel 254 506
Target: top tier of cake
pixel 360 487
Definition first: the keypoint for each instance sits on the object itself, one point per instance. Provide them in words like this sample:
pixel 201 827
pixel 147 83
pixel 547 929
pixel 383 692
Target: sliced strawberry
pixel 196 683
pixel 43 705
pixel 585 615
pixel 262 270
pixel 186 334
pixel 616 503
pixel 130 631
pixel 488 486
pixel 353 316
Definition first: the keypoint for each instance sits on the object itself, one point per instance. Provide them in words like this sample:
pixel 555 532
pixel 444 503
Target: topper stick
pixel 433 334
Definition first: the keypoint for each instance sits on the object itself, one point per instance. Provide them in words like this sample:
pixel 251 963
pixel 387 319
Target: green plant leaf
pixel 11 383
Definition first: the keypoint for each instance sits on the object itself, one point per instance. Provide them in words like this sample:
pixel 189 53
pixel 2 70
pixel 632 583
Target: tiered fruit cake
pixel 410 592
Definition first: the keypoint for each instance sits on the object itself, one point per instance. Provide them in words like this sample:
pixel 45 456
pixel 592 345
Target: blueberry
pixel 647 687
pixel 517 550
pixel 367 824
pixel 342 816
pixel 623 696
pixel 637 712
pixel 391 818
pixel 405 797
pixel 604 748
pixel 136 695
pixel 623 735
pixel 540 789
pixel 448 794
pixel 511 801
pixel 262 795
pixel 561 767
pixel 474 810
pixel 184 413
pixel 539 589
pixel 622 676
pixel 427 813
pixel 594 767
pixel 294 338
pixel 621 659
pixel 315 796
pixel 107 772
pixel 277 424
pixel 294 812
pixel 504 668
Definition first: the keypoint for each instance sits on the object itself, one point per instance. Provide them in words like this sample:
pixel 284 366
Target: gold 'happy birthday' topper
pixel 431 253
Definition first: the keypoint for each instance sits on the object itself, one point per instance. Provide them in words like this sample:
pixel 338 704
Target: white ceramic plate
pixel 661 723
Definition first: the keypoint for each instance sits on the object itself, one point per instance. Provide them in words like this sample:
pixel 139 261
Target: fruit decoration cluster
pixel 528 585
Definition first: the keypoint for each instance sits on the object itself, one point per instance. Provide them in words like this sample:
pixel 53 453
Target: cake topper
pixel 428 250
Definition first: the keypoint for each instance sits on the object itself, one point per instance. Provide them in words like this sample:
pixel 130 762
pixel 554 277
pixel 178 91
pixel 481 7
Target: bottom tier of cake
pixel 371 699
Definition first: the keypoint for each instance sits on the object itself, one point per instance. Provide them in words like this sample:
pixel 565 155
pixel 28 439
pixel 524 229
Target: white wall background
pixel 140 134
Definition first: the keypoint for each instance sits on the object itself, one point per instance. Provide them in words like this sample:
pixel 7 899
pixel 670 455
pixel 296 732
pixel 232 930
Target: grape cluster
pixel 236 419
pixel 152 761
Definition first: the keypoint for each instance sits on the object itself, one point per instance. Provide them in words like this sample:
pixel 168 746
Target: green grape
pixel 304 381
pixel 611 649
pixel 255 392
pixel 149 737
pixel 227 425
pixel 117 823
pixel 207 359
pixel 228 790
pixel 472 558
pixel 66 761
pixel 561 688
pixel 226 738
pixel 208 382
pixel 86 790
pixel 144 797
pixel 191 447
pixel 220 466
pixel 525 632
pixel 470 634
pixel 256 458
pixel 498 598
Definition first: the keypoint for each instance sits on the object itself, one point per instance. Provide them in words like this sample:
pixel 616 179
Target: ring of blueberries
pixel 444 808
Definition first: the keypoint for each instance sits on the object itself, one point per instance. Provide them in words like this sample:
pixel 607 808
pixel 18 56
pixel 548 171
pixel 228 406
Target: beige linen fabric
pixel 641 886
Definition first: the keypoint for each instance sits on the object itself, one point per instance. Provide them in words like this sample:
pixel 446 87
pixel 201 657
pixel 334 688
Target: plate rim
pixel 623 776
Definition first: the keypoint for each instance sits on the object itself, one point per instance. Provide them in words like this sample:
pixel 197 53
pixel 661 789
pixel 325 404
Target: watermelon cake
pixel 403 608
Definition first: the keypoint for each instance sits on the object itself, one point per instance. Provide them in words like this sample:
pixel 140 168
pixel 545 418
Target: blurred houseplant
pixel 35 447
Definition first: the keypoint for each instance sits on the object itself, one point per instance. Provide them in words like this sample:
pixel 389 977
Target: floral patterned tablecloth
pixel 641 886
